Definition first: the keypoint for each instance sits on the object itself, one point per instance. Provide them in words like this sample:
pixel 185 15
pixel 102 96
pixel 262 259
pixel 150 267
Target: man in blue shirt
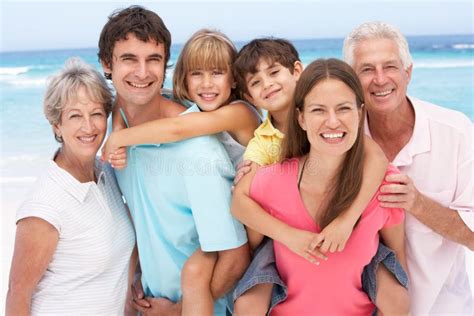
pixel 179 193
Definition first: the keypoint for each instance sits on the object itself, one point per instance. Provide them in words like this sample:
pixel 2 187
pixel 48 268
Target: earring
pixel 58 138
pixel 108 76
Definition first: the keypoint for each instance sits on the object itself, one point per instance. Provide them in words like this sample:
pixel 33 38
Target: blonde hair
pixel 206 49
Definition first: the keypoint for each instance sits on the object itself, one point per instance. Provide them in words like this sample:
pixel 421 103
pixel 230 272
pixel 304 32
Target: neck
pixel 392 131
pixel 83 171
pixel 323 168
pixel 140 113
pixel 280 120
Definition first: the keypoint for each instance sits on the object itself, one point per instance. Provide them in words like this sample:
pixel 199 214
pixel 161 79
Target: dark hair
pixel 274 50
pixel 347 183
pixel 144 24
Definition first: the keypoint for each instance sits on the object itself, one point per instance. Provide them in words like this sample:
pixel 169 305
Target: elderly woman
pixel 321 177
pixel 74 238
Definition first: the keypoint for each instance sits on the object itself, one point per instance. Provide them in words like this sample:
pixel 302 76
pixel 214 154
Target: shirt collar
pixel 420 141
pixel 71 185
pixel 267 129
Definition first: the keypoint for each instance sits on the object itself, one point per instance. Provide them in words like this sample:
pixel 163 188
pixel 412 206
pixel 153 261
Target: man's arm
pixel 230 266
pixel 403 194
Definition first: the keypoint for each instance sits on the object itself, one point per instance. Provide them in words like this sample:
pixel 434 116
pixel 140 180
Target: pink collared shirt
pixel 439 160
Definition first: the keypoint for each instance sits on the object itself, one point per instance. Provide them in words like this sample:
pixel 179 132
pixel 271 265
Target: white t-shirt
pixel 88 273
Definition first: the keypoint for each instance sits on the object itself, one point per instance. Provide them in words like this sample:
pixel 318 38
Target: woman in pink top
pixel 321 177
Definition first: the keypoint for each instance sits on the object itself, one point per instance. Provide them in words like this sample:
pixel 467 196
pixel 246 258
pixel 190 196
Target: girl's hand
pixel 336 234
pixel 305 244
pixel 118 159
pixel 116 156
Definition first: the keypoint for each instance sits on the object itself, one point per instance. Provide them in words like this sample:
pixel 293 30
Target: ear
pixel 297 69
pixel 409 72
pixel 249 98
pixel 106 67
pixel 301 120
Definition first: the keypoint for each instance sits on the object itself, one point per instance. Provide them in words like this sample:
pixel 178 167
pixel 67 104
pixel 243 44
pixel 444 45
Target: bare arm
pixel 339 230
pixel 260 223
pixel 403 194
pixel 35 243
pixel 172 129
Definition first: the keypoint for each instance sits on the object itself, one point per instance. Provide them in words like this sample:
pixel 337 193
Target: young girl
pixel 202 75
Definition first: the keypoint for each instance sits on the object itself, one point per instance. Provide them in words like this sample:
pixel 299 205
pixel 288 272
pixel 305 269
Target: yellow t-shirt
pixel 265 147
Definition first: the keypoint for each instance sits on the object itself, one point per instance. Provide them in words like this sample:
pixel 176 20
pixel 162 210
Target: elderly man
pixel 432 147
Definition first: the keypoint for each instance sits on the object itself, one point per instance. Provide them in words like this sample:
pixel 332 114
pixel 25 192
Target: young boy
pixel 267 71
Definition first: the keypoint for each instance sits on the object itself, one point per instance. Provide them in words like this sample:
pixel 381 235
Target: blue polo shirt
pixel 179 196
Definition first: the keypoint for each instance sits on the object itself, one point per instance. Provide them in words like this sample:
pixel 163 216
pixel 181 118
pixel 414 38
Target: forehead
pixel 329 92
pixel 135 46
pixel 262 65
pixel 81 100
pixel 375 51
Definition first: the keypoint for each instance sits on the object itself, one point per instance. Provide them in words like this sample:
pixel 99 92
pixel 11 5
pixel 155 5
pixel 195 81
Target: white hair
pixel 376 30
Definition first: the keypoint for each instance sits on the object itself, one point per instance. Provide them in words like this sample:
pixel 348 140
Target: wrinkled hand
pixel 400 193
pixel 242 169
pixel 116 156
pixel 160 307
pixel 305 244
pixel 336 235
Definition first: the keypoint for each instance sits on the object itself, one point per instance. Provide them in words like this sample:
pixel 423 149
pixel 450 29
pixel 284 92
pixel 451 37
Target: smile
pixel 272 93
pixel 382 93
pixel 332 135
pixel 208 96
pixel 87 139
pixel 138 85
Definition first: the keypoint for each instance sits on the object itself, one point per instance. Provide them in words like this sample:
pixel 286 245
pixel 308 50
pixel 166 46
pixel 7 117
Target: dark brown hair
pixel 348 181
pixel 273 50
pixel 146 25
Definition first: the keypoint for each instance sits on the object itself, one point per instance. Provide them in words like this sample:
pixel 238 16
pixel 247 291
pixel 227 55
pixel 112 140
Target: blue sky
pixel 33 25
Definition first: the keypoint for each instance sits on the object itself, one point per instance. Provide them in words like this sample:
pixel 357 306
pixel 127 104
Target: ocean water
pixel 443 74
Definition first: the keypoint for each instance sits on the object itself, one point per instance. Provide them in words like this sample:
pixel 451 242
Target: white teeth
pixel 87 139
pixel 382 93
pixel 136 85
pixel 334 135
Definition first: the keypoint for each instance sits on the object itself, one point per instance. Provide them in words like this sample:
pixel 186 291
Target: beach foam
pixel 13 71
pixel 443 64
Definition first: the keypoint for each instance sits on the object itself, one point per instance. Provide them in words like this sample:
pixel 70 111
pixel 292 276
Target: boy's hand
pixel 305 244
pixel 336 234
pixel 242 169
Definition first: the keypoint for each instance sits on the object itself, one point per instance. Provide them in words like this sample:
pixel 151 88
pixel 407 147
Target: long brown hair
pixel 348 181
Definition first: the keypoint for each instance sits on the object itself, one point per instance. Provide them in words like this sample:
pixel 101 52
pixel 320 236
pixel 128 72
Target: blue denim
pixel 261 270
pixel 387 257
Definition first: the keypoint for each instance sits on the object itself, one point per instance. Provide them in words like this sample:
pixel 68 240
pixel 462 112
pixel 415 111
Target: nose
pixel 332 120
pixel 141 70
pixel 207 80
pixel 88 124
pixel 380 77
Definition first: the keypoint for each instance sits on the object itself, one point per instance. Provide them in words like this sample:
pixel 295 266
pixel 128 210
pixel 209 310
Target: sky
pixel 42 25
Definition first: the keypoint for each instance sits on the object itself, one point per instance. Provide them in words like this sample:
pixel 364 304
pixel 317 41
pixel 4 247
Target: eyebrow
pixel 323 105
pixel 130 55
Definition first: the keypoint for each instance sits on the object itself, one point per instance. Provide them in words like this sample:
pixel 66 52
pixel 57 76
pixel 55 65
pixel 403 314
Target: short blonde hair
pixel 62 89
pixel 206 49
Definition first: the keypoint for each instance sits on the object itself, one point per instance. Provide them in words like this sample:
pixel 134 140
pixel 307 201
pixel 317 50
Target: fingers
pixel 138 289
pixel 398 178
pixel 316 253
pixel 141 309
pixel 394 188
pixel 316 242
pixel 393 198
pixel 325 246
pixel 244 163
pixel 240 173
pixel 118 159
pixel 333 247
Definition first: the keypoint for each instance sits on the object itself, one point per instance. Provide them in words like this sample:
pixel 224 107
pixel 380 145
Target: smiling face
pixel 382 75
pixel 137 70
pixel 330 117
pixel 210 89
pixel 272 87
pixel 82 127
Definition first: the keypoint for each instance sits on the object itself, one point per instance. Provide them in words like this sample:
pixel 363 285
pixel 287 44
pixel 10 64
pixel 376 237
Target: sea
pixel 443 74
